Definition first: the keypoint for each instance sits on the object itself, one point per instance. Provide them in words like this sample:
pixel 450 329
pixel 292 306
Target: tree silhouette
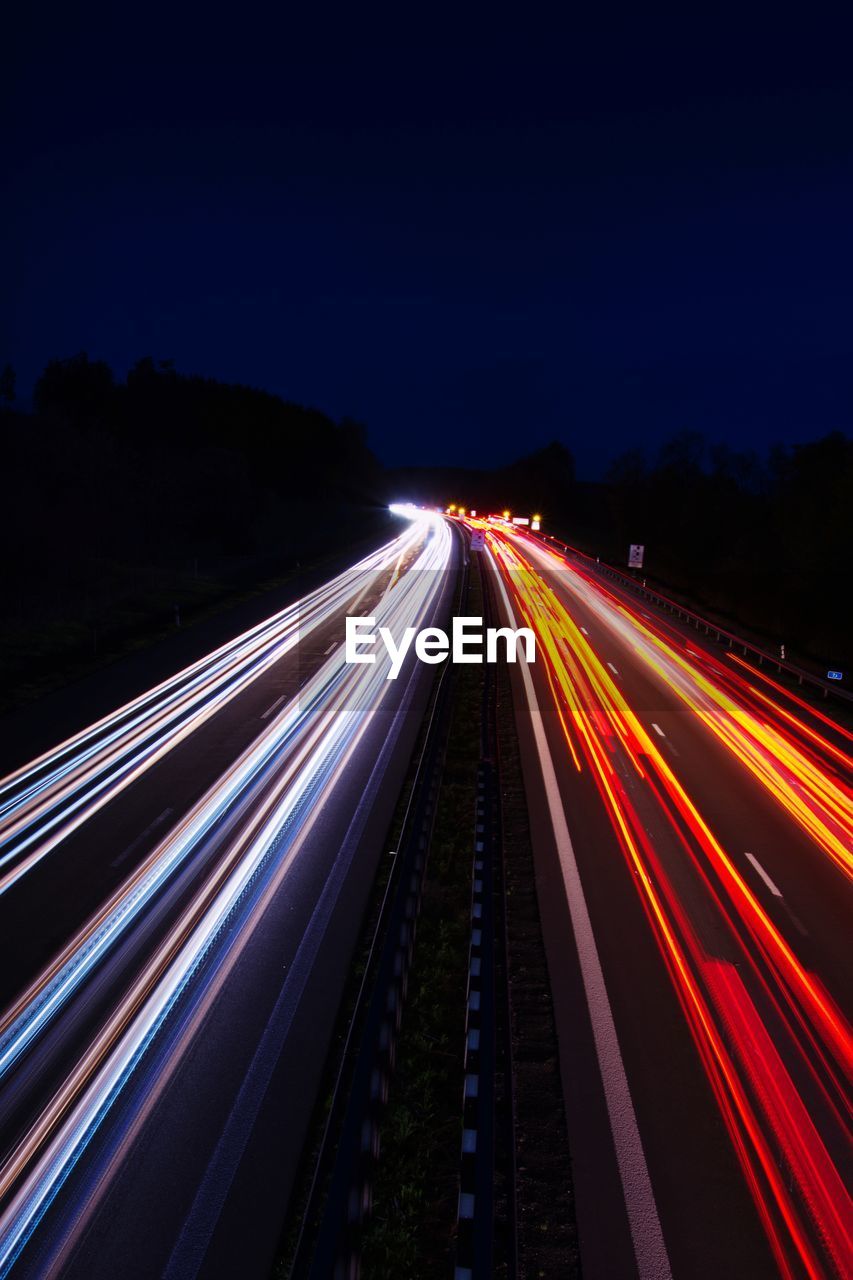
pixel 7 385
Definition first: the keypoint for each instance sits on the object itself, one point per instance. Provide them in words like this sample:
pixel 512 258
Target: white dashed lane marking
pixel 658 730
pixel 764 876
pixel 612 668
pixel 131 848
pixel 271 709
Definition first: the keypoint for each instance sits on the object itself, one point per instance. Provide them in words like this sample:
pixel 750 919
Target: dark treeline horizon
pixel 129 506
pixel 123 497
pixel 761 539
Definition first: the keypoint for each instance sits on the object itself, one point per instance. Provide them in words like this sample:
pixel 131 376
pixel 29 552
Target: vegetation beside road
pixel 130 508
pixel 125 499
pixel 412 1227
pixel 760 540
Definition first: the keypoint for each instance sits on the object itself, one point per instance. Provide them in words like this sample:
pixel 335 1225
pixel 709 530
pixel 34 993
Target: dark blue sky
pixel 474 233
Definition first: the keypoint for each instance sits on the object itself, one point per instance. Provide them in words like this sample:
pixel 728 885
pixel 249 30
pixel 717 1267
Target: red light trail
pixel 775 1046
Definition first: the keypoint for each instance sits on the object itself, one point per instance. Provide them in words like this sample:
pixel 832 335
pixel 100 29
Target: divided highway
pixel 181 886
pixel 694 835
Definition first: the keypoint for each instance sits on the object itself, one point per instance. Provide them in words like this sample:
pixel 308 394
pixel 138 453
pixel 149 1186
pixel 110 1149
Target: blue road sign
pixel 835 675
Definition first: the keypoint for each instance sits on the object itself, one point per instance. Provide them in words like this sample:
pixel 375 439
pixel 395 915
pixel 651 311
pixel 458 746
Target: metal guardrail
pixel 339 1200
pixel 486 1236
pixel 329 1241
pixel 695 619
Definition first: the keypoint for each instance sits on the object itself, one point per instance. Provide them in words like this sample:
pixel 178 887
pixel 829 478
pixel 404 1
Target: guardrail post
pixel 695 620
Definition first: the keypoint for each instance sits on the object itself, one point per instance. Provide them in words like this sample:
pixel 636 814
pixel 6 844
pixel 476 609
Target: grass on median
pixel 411 1232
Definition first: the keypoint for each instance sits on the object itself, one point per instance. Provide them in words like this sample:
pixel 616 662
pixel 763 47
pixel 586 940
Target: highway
pixel 181 887
pixel 692 823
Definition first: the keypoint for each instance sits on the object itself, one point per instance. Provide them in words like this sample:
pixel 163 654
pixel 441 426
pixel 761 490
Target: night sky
pixel 473 233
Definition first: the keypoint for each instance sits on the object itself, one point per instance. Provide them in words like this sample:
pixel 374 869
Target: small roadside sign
pixel 635 555
pixel 478 540
pixel 835 675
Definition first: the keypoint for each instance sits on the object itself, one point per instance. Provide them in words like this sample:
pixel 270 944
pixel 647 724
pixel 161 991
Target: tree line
pixel 125 498
pixel 766 540
pixel 127 502
pixel 763 541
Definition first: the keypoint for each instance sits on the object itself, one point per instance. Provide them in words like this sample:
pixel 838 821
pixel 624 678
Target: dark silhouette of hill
pixel 766 540
pixel 545 478
pixel 127 500
pixel 763 541
pixel 130 505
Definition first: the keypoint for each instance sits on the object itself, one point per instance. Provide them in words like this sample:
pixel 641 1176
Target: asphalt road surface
pixel 181 888
pixel 692 824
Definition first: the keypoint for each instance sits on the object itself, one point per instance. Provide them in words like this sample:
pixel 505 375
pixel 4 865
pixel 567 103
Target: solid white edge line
pixel 764 876
pixel 646 1234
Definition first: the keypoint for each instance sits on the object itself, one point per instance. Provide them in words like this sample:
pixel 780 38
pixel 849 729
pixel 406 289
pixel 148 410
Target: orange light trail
pixel 767 1031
